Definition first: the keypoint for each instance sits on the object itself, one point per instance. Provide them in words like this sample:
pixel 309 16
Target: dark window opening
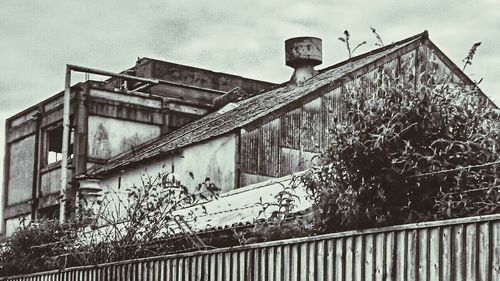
pixel 50 213
pixel 54 144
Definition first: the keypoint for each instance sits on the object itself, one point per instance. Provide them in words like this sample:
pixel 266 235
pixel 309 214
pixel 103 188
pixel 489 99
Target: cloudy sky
pixel 37 38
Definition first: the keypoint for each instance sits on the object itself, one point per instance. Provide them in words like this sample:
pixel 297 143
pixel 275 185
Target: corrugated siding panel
pixel 308 128
pixel 429 63
pixel 294 160
pixel 248 179
pixel 311 126
pixel 332 112
pixel 249 151
pixel 495 250
pixel 269 149
pixel 407 67
pixel 290 129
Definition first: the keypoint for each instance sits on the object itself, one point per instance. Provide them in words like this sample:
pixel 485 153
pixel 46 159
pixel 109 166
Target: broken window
pixel 54 144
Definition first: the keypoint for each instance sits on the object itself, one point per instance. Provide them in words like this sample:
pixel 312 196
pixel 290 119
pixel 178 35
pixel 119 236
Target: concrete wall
pixel 214 159
pixel 51 181
pixel 20 178
pixel 12 224
pixel 109 137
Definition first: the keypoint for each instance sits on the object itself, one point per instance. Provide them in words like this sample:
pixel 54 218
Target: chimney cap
pixel 303 50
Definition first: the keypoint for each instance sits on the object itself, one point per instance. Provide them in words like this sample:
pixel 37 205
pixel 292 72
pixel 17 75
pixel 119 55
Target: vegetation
pixel 346 40
pixel 408 149
pixel 141 221
pixel 23 251
pixel 407 154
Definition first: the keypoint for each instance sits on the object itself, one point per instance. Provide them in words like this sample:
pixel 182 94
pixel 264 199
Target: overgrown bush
pixel 407 154
pixel 36 247
pixel 139 222
pixel 134 222
pixel 279 219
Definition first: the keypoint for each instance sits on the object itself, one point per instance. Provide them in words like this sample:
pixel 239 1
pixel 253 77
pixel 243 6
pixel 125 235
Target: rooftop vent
pixel 303 53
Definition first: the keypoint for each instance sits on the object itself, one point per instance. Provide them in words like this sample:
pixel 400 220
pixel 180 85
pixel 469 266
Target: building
pixel 197 125
pixel 107 118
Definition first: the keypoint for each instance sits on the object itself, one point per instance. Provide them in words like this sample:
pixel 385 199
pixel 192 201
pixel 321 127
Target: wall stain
pixel 130 142
pixel 100 143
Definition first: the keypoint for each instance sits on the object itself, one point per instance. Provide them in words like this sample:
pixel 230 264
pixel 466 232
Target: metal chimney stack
pixel 303 54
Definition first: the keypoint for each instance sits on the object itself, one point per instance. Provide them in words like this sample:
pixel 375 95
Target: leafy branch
pixel 470 55
pixel 379 42
pixel 345 39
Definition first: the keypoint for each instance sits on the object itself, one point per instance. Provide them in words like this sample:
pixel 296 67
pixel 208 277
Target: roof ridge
pixel 423 35
pixel 160 141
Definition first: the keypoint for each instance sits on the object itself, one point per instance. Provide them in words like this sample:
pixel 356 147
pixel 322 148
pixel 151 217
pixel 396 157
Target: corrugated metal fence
pixel 460 249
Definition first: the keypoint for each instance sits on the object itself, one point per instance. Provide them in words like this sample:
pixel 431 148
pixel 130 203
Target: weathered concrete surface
pixel 20 178
pixel 109 137
pixel 51 181
pixel 197 77
pixel 13 223
pixel 214 159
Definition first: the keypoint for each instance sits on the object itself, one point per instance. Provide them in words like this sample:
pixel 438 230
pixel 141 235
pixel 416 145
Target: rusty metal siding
pixel 290 129
pixel 311 126
pixel 408 67
pixel 249 151
pixel 248 179
pixel 268 164
pixel 305 131
pixel 459 249
pixel 430 66
pixel 284 145
pixel 332 112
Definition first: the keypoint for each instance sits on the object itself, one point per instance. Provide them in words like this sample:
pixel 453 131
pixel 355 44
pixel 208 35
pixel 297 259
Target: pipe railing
pixel 66 122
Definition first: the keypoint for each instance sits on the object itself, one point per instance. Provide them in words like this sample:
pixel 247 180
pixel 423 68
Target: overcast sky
pixel 38 38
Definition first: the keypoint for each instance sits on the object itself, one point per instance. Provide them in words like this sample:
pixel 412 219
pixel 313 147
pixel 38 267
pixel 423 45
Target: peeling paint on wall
pixel 22 157
pixel 99 142
pixel 109 136
pixel 214 159
pixel 130 142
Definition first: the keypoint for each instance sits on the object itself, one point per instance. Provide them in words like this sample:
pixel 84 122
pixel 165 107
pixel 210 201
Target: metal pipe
pixel 66 124
pixel 65 143
pixel 140 88
pixel 84 69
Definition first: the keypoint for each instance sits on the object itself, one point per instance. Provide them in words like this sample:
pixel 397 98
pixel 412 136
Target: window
pixel 54 144
pixel 51 212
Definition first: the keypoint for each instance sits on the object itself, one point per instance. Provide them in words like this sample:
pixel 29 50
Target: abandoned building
pixel 243 134
pixel 107 118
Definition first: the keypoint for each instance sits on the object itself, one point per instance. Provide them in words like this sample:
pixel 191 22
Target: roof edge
pixel 453 67
pixel 208 70
pixel 423 35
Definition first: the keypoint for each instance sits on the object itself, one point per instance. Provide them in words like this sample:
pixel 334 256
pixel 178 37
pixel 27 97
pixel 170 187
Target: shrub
pixel 36 247
pixel 141 224
pixel 407 154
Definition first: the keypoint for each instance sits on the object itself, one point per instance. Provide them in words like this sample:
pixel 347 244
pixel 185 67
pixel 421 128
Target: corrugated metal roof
pixel 247 111
pixel 243 206
pixel 239 207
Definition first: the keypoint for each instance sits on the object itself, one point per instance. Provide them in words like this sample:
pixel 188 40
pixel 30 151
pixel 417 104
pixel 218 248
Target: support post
pixel 65 144
pixel 63 201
